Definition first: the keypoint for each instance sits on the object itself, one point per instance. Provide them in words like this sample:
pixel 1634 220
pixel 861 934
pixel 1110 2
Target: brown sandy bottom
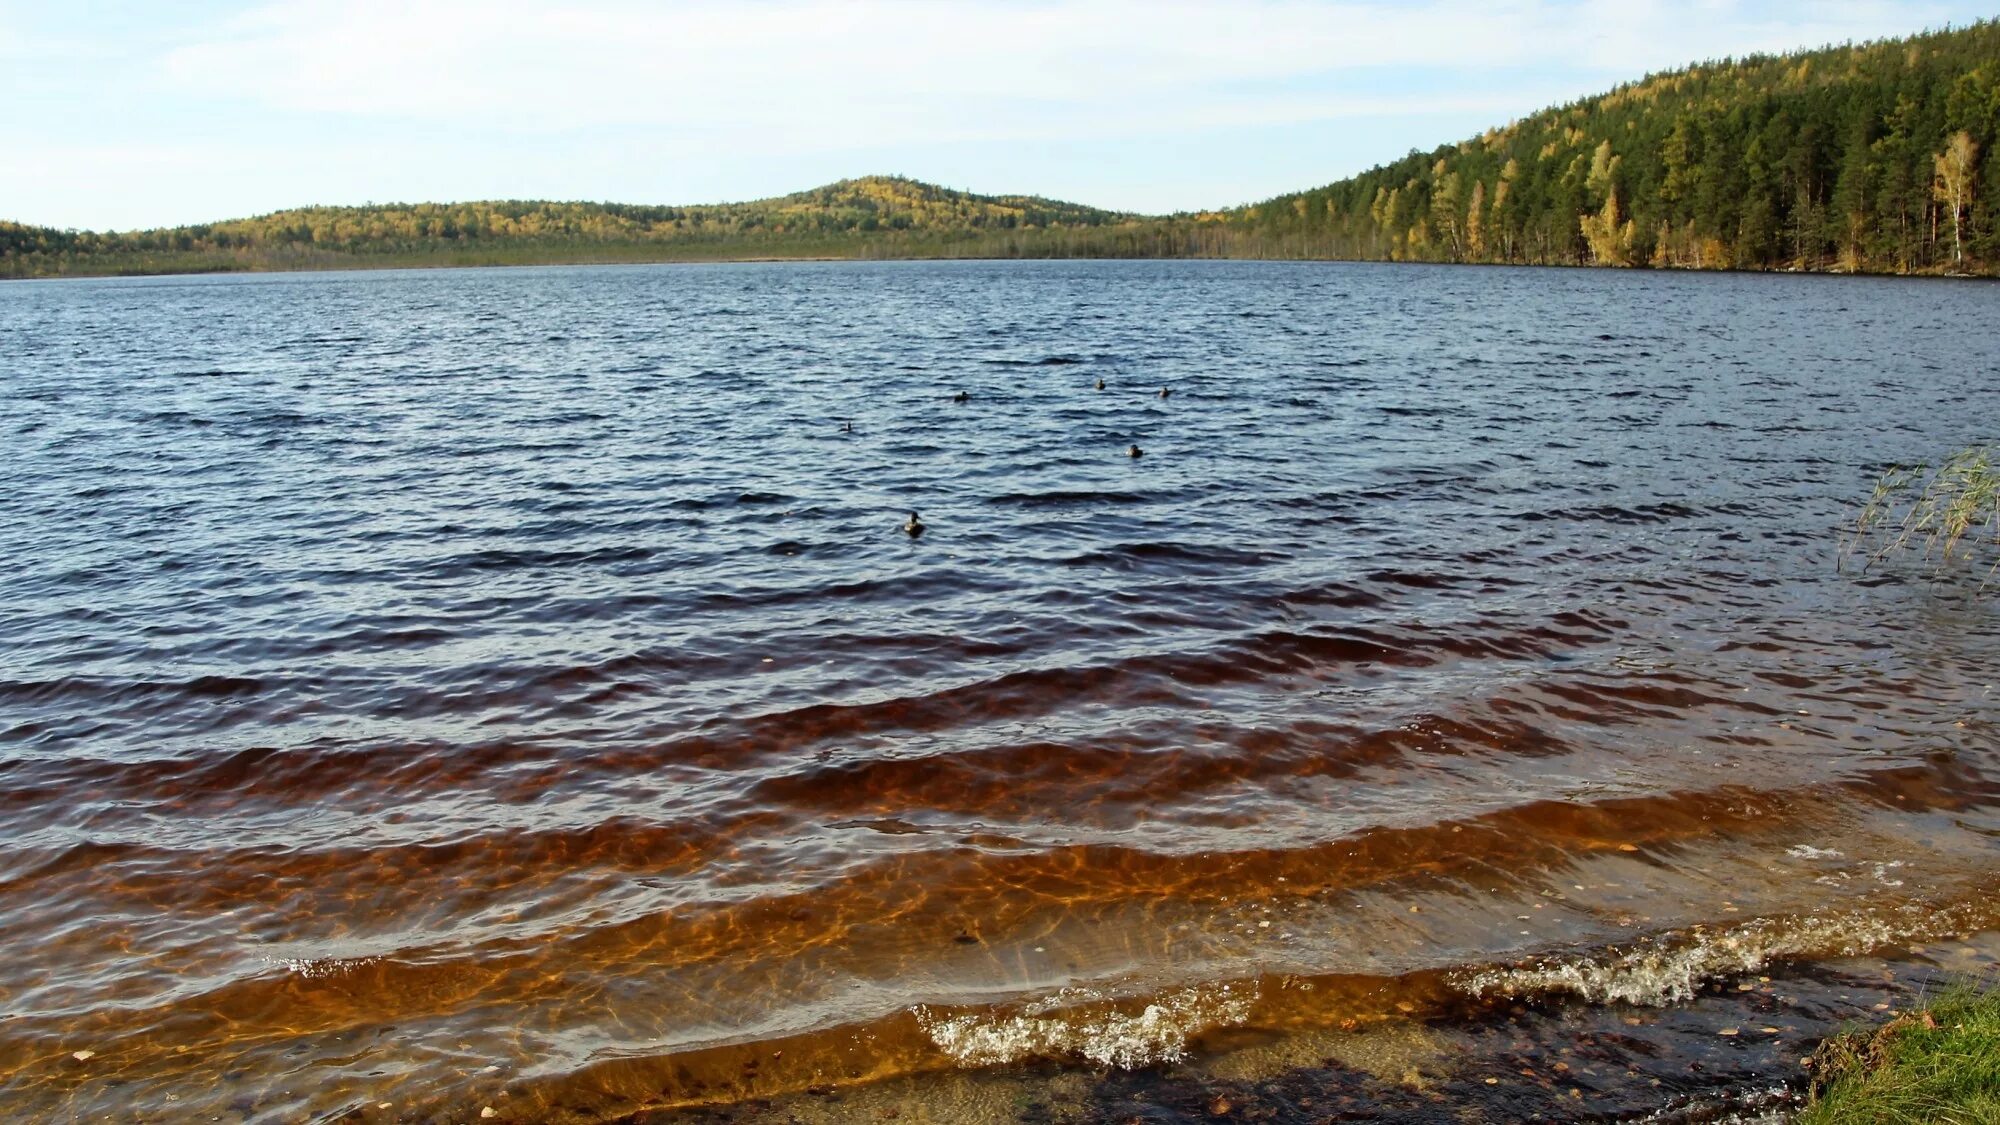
pixel 1731 1054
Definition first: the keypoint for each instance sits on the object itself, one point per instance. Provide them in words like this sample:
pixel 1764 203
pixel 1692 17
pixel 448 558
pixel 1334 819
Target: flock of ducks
pixel 914 526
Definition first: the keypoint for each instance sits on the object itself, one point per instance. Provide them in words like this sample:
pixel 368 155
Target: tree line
pixel 1873 157
pixel 863 217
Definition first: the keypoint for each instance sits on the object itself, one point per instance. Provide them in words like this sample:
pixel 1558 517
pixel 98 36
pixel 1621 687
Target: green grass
pixel 1947 514
pixel 1936 1066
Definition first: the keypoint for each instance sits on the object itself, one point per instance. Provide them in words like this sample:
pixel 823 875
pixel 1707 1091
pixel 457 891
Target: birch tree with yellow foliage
pixel 1955 169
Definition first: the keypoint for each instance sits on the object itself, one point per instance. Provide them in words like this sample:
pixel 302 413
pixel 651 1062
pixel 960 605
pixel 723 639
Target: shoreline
pixel 1937 1057
pixel 1744 1047
pixel 357 265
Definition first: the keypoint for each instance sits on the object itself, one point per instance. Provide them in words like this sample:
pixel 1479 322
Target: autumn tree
pixel 1446 205
pixel 1610 239
pixel 1475 222
pixel 1952 186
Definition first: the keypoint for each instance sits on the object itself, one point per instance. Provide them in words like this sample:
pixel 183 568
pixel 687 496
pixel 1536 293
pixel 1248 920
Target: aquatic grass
pixel 1947 514
pixel 1938 1065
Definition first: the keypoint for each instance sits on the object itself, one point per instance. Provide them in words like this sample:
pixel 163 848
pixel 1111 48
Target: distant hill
pixel 1870 158
pixel 885 216
pixel 1876 157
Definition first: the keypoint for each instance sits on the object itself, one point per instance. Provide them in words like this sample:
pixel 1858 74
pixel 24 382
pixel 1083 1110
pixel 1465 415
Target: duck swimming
pixel 961 397
pixel 913 526
pixel 1100 382
pixel 1165 391
pixel 1135 453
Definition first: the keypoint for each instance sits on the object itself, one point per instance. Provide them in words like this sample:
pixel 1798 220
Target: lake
pixel 433 692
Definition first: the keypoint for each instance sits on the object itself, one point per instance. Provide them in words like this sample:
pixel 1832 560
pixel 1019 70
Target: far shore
pixel 347 263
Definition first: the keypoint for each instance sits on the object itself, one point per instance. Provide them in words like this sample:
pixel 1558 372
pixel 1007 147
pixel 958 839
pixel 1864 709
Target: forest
pixel 1871 158
pixel 874 216
pixel 1867 158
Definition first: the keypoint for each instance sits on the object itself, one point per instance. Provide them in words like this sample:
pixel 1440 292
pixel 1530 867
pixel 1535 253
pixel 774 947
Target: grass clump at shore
pixel 1936 1066
pixel 1947 513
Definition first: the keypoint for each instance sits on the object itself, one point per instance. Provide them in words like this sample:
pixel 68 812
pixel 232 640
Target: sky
pixel 115 116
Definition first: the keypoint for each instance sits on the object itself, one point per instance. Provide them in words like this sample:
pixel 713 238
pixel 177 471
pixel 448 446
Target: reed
pixel 1947 514
pixel 1938 1065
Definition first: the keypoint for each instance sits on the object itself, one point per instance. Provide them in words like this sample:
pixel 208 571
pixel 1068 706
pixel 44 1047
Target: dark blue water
pixel 423 688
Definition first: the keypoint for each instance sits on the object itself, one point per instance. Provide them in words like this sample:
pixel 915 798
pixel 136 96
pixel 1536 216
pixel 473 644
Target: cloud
pixel 177 114
pixel 880 70
pixel 775 73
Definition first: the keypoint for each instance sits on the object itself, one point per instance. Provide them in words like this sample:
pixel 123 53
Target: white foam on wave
pixel 1674 965
pixel 1079 1023
pixel 314 968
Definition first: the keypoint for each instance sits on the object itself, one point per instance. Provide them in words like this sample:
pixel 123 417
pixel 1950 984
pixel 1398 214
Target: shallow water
pixel 432 690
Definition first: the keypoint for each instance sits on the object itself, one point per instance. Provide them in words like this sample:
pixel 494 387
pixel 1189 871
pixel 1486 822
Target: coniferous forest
pixel 1861 158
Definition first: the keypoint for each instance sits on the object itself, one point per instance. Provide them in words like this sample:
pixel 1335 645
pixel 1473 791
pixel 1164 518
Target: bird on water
pixel 913 526
pixel 1135 453
pixel 961 397
pixel 1100 382
pixel 1165 391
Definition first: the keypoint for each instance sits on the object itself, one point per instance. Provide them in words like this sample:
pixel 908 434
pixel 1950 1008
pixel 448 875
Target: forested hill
pixel 872 216
pixel 1876 157
pixel 1870 158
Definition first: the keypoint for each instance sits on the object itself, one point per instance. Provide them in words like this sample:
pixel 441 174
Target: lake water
pixel 429 692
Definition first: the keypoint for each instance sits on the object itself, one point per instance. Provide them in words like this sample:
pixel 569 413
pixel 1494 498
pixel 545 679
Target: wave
pixel 1046 361
pixel 529 559
pixel 1612 513
pixel 102 691
pixel 1182 558
pixel 1081 1023
pixel 1673 966
pixel 1067 498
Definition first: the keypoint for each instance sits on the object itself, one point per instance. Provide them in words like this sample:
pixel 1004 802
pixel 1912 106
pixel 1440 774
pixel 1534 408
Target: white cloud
pixel 176 118
pixel 879 70
pixel 777 73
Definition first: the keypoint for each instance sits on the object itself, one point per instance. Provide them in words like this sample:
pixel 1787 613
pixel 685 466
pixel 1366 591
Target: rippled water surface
pixel 432 691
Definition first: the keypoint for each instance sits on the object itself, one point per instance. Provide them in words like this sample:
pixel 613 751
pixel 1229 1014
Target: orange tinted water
pixel 429 692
